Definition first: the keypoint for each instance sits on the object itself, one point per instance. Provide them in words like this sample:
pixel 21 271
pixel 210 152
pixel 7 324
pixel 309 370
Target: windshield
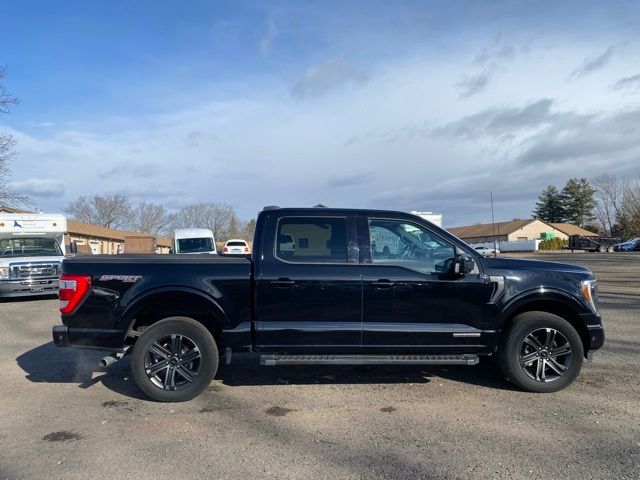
pixel 236 244
pixel 29 247
pixel 195 245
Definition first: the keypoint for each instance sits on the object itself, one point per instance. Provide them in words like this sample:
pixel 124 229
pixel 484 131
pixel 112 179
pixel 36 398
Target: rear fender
pixel 218 317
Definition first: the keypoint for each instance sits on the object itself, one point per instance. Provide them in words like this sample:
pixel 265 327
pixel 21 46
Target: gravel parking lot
pixel 62 417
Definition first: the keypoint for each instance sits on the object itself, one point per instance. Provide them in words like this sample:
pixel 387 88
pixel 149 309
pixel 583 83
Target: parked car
pixel 236 247
pixel 486 251
pixel 331 300
pixel 628 246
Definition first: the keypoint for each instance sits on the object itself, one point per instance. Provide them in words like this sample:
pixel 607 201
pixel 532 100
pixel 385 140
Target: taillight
pixel 246 249
pixel 72 289
pixel 225 249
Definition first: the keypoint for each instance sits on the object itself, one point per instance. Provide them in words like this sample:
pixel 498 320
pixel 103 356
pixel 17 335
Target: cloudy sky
pixel 399 105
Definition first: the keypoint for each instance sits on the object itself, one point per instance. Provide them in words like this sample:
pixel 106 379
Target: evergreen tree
pixel 578 201
pixel 549 207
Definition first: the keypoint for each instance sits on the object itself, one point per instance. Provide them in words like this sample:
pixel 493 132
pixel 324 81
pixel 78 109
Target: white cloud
pixel 594 63
pixel 473 84
pixel 402 139
pixel 40 187
pixel 271 32
pixel 326 76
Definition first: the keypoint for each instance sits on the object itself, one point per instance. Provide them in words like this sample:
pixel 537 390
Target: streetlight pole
pixel 493 222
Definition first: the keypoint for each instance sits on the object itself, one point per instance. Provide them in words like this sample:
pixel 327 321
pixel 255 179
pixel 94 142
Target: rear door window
pixel 312 239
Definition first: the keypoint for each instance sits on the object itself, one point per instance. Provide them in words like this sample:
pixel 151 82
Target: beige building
pixel 103 240
pixel 513 230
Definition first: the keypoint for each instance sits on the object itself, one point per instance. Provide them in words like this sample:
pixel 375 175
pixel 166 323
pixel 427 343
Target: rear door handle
pixel 283 283
pixel 382 284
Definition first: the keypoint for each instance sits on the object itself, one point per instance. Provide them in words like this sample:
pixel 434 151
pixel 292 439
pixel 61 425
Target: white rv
pixel 193 240
pixel 31 251
pixel 435 218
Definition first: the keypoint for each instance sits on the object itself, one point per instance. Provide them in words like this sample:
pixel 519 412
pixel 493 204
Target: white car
pixel 486 251
pixel 236 246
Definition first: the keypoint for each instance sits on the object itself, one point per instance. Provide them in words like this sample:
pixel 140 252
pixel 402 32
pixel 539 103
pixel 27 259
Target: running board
pixel 271 360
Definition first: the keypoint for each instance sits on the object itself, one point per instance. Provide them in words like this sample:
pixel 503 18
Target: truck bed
pixel 146 258
pixel 131 287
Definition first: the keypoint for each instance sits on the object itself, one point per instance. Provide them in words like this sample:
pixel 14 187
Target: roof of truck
pixel 192 232
pixel 321 210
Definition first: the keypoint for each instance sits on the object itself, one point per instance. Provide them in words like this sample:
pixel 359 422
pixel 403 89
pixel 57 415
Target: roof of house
pixel 4 209
pixel 570 229
pixel 489 229
pixel 78 228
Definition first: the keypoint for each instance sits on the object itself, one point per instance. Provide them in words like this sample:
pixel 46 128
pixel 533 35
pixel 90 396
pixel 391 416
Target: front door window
pixel 395 242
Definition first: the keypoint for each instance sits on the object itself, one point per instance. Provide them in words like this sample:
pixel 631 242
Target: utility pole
pixel 493 222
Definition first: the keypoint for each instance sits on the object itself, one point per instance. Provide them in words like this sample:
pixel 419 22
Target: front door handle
pixel 382 284
pixel 283 283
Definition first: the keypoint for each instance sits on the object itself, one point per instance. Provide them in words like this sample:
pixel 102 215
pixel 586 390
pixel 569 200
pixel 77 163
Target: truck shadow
pixel 49 364
pixel 31 298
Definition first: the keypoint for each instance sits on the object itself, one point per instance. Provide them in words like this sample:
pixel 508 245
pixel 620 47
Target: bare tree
pixel 609 196
pixel 149 218
pixel 630 217
pixel 220 218
pixel 111 210
pixel 8 197
pixel 618 206
pixel 247 229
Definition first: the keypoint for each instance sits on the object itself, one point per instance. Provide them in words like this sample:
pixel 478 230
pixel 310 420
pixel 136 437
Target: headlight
pixel 589 291
pixel 4 272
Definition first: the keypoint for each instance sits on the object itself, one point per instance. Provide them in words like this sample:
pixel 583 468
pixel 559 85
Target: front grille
pixel 34 270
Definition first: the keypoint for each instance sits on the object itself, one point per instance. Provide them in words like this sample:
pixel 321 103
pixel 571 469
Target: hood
pixel 5 261
pixel 506 263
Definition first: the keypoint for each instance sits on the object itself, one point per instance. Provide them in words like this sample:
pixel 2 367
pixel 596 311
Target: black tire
pixel 517 350
pixel 155 348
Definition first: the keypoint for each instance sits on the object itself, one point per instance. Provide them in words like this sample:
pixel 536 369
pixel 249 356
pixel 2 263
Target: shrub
pixel 554 243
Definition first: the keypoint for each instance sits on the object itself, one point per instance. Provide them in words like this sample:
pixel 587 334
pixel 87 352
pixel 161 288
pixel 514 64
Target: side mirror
pixel 73 247
pixel 464 265
pixel 468 265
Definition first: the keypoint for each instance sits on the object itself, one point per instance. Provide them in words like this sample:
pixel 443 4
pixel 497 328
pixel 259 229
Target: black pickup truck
pixel 331 286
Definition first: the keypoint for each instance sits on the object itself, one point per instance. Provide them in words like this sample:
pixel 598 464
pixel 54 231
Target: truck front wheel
pixel 174 360
pixel 541 352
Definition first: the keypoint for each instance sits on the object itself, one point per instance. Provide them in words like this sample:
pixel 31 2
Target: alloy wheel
pixel 545 355
pixel 173 362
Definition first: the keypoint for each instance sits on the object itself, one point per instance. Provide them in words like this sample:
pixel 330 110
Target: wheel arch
pixel 161 303
pixel 556 303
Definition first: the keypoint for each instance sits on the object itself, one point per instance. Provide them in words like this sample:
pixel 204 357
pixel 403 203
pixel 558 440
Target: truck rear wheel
pixel 541 352
pixel 174 360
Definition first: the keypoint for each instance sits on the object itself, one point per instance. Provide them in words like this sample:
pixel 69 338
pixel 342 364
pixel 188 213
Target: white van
pixel 193 240
pixel 31 251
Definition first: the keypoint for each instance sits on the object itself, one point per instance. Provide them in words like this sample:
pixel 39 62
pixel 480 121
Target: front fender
pixel 539 296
